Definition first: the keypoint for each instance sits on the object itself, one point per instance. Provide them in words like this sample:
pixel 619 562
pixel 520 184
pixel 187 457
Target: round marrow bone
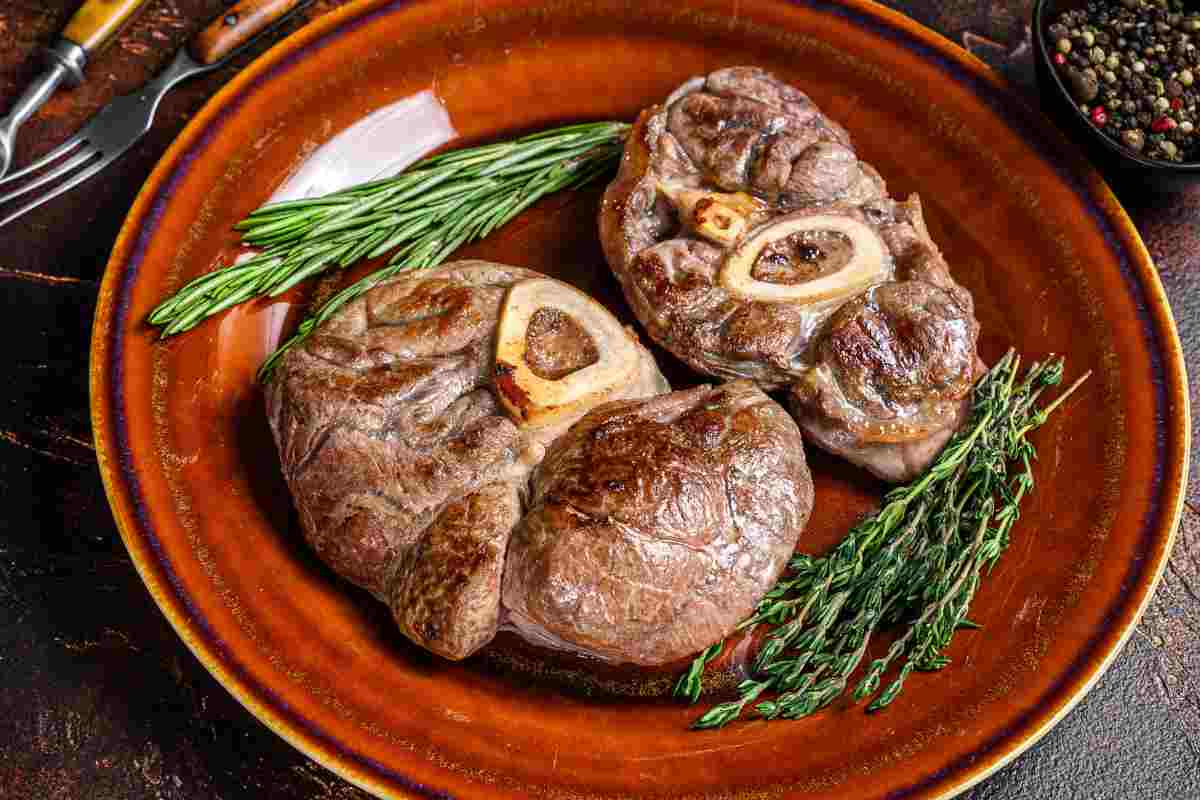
pixel 866 266
pixel 535 401
pixel 720 217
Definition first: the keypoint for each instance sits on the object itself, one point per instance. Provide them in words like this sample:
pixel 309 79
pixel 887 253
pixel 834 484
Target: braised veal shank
pixel 751 241
pixel 478 433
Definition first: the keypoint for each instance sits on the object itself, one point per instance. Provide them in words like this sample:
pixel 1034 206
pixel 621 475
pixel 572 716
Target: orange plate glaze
pixel 1052 260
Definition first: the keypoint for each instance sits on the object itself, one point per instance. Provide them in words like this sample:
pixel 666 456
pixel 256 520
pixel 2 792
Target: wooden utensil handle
pixel 97 22
pixel 236 27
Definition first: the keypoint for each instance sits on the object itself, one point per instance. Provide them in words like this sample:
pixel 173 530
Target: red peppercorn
pixel 1162 124
pixel 1060 59
pixel 1176 103
pixel 1099 116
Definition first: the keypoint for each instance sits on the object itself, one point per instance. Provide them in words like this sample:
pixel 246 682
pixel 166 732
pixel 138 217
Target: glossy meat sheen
pixel 657 525
pixel 881 382
pixel 405 471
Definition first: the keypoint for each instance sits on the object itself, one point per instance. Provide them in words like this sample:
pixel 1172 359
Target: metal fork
pixel 126 119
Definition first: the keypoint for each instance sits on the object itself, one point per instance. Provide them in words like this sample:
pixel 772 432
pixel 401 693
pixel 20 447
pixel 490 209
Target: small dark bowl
pixel 1127 171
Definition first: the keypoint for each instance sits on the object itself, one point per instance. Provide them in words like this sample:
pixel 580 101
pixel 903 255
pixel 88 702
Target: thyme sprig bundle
pixel 916 563
pixel 427 212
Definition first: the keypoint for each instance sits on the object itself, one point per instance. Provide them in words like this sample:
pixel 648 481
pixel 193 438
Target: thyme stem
pixel 917 561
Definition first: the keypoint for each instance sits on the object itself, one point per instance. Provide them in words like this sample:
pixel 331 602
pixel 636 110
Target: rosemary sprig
pixel 917 561
pixel 427 211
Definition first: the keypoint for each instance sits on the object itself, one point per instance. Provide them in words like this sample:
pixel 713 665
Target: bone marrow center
pixel 802 257
pixel 809 258
pixel 557 350
pixel 556 345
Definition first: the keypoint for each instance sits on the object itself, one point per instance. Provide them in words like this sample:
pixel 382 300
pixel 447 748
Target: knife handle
pixel 238 25
pixel 97 22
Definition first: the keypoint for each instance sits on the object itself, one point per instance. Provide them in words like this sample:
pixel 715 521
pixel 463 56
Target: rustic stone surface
pixel 103 701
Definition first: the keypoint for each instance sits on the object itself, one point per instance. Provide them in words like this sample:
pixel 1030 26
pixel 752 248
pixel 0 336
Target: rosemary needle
pixel 915 563
pixel 423 214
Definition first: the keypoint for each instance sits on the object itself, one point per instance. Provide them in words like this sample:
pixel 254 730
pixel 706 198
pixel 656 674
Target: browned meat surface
pixel 891 373
pixel 405 466
pixel 409 429
pixel 751 241
pixel 656 525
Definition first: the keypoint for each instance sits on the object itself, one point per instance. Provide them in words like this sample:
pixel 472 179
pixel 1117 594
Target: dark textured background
pixel 101 700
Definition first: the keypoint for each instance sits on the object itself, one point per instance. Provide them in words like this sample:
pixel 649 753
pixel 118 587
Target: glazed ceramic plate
pixel 1054 265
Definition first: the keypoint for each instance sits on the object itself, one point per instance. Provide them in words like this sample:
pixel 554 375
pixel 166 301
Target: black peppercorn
pixel 1083 88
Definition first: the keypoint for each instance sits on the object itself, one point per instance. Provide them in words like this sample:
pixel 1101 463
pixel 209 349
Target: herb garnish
pixel 916 562
pixel 427 211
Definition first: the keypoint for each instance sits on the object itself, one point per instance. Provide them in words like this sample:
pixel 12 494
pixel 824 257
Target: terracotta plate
pixel 1054 265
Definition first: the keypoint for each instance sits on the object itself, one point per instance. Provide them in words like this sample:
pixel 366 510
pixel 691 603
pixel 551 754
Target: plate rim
pixel 120 481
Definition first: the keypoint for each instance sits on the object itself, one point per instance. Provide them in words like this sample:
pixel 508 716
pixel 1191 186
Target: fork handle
pixel 97 22
pixel 238 25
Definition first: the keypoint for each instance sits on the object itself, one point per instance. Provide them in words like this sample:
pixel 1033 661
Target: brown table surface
pixel 102 700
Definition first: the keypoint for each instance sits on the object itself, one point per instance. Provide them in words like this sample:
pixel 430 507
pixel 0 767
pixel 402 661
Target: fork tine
pixel 56 153
pixel 77 160
pixel 66 186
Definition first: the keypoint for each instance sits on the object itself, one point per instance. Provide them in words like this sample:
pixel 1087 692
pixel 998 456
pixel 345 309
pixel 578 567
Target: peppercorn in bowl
pixel 1122 77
